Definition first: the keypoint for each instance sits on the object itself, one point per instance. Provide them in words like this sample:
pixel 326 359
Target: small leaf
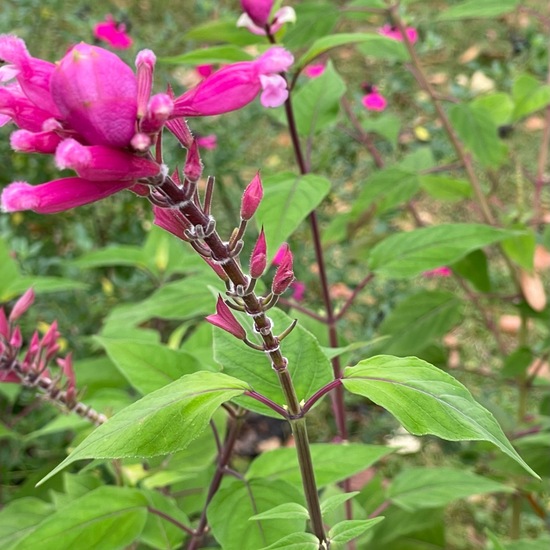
pixel 521 247
pixel 350 529
pixel 445 188
pixel 222 30
pixel 162 422
pixel 108 517
pixel 473 9
pixel 427 400
pixel 417 488
pixel 335 501
pixel 288 200
pixel 295 541
pixel 498 105
pixel 475 268
pixel 213 55
pixel 529 96
pixel 408 254
pixel 377 46
pixel 289 510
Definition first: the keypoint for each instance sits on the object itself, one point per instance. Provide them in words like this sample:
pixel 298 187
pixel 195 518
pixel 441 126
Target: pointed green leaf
pixel 529 96
pixel 475 268
pixel 295 541
pixel 350 529
pixel 289 510
pixel 521 247
pixel 288 200
pixel 382 47
pixel 236 501
pixel 445 188
pixel 162 422
pixel 419 320
pixel 108 517
pixel 476 128
pixel 474 9
pixel 333 502
pixel 222 30
pixel 417 488
pixel 215 54
pixel 427 400
pixel 498 105
pixel 147 366
pixel 307 364
pixel 21 517
pixel 408 254
pixel 112 255
pixel 332 463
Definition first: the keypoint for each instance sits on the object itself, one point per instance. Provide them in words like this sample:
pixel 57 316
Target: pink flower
pixel 438 272
pixel 373 101
pixel 113 33
pixel 235 86
pixel 258 259
pixel 256 20
pixel 204 70
pixel 394 33
pixel 209 142
pixel 314 71
pixel 298 290
pixel 225 320
pixel 284 274
pixel 280 254
pixel 252 197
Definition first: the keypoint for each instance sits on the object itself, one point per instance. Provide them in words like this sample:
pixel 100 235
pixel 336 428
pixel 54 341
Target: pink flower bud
pixel 16 339
pixel 298 290
pixel 34 142
pixel 96 92
pixel 314 70
pixel 145 64
pixel 258 10
pixel 209 142
pixel 225 320
pixel 4 327
pixel 22 305
pixel 179 128
pixel 113 33
pixel 67 368
pixel 284 275
pixel 141 142
pixel 171 221
pixel 218 269
pixel 373 101
pixel 395 34
pixel 193 163
pixel 252 197
pixel 258 260
pixel 160 107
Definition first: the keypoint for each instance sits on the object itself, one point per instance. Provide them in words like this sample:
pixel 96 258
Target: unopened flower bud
pixel 193 164
pixel 225 320
pixel 141 142
pixel 16 339
pixel 284 275
pixel 22 305
pixel 4 328
pixel 258 10
pixel 159 108
pixel 258 260
pixel 252 197
pixel 145 64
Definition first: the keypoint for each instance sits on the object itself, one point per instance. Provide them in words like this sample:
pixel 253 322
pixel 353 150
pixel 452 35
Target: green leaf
pixel 288 200
pixel 475 268
pixel 289 510
pixel 498 105
pixel 386 125
pixel 335 501
pixel 222 30
pixel 405 255
pixel 521 247
pixel 326 43
pixel 517 362
pixel 110 256
pixel 313 20
pixel 214 55
pixel 332 463
pixel 529 96
pixel 427 400
pixel 417 488
pixel 385 189
pixel 295 541
pixel 108 517
pixel 307 364
pixel 317 102
pixel 21 517
pixel 475 127
pixel 162 422
pixel 474 9
pixel 445 188
pixel 378 46
pixel 419 320
pixel 148 367
pixel 236 501
pixel 350 529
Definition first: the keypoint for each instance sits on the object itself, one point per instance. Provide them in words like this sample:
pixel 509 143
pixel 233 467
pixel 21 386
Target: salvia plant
pixel 162 406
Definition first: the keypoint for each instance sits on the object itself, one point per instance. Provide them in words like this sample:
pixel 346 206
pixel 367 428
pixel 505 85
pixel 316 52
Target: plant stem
pixel 170 519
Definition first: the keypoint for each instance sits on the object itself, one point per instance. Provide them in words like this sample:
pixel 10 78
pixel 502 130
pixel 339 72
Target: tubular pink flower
pixel 33 75
pixel 274 88
pixel 4 327
pixel 394 33
pixel 314 70
pixel 208 142
pixel 159 109
pixel 204 70
pixel 22 305
pixel 100 163
pixel 145 65
pixel 298 290
pixel 284 274
pixel 16 339
pixel 66 365
pixel 258 259
pixel 438 272
pixel 280 254
pixel 233 86
pixel 258 10
pixel 113 33
pixel 252 197
pixel 284 15
pixel 225 320
pixel 57 195
pixel 96 93
pixel 34 142
pixel 19 108
pixel 171 221
pixel 373 101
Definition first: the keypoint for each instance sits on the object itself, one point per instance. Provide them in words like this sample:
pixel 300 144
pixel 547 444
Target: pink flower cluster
pixel 98 118
pixel 257 17
pixel 113 33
